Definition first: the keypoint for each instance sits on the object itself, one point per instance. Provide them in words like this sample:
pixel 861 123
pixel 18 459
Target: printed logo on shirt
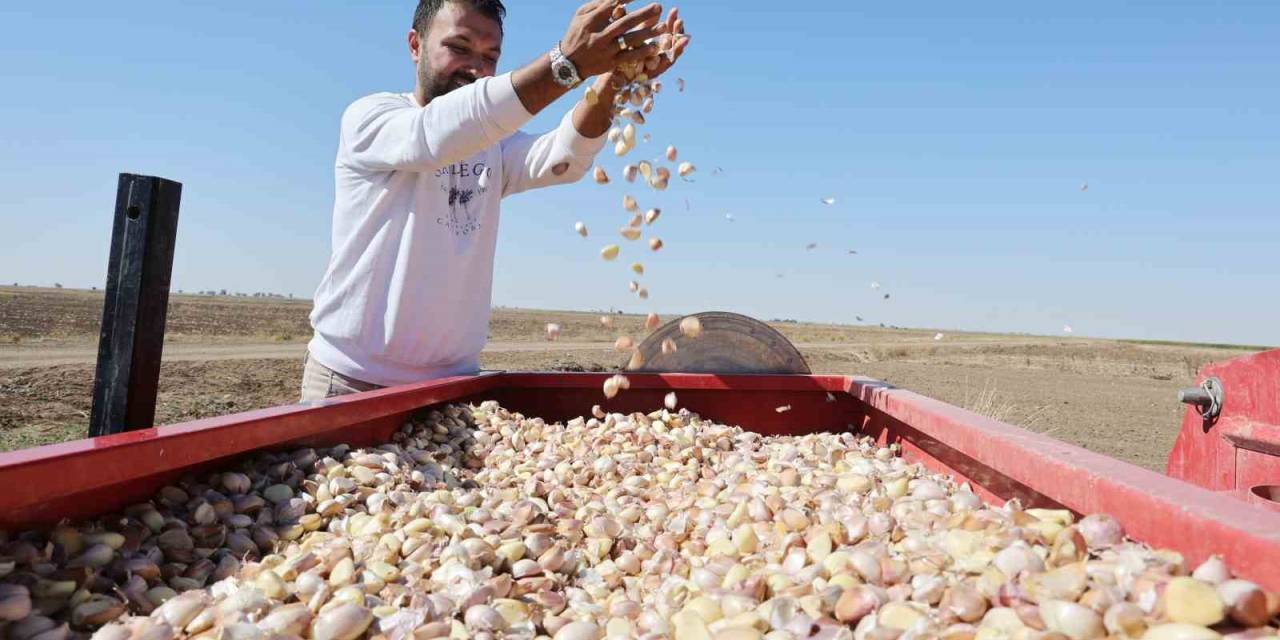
pixel 474 176
pixel 463 170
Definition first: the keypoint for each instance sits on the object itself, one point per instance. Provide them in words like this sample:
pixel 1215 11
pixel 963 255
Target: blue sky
pixel 955 137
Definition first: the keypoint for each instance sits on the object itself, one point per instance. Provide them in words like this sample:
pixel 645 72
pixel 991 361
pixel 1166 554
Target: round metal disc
pixel 730 343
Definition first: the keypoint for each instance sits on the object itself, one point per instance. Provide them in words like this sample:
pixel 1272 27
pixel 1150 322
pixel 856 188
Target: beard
pixel 438 85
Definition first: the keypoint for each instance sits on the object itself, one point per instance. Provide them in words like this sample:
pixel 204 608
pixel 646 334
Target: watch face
pixel 564 73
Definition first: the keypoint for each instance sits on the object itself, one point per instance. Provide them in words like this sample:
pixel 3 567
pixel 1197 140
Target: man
pixel 419 178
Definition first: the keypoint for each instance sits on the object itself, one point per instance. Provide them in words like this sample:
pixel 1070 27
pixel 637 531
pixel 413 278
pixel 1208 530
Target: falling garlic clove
pixel 629 203
pixel 636 361
pixel 637 268
pixel 660 177
pixel 636 116
pixel 636 220
pixel 651 215
pixel 621 148
pixel 610 252
pixel 553 331
pixel 630 233
pixel 629 134
pixel 669 346
pixel 669 401
pixel 651 322
pixel 633 286
pixel 591 96
pixel 685 169
pixel 655 243
pixel 629 173
pixel 581 228
pixel 623 343
pixel 648 105
pixel 610 387
pixel 691 327
pixel 671 153
pixel 600 176
pixel 783 409
pixel 615 135
pixel 643 293
pixel 645 169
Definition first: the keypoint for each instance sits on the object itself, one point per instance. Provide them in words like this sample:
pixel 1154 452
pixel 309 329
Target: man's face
pixel 461 46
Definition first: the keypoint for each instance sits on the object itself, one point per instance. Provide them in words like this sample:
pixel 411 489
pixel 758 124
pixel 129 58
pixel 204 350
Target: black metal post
pixel 133 315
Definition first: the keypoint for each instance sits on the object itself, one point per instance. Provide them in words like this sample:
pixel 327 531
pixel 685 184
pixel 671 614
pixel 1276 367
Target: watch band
pixel 563 69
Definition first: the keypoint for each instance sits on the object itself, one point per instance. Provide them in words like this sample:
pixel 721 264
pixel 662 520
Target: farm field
pixel 228 354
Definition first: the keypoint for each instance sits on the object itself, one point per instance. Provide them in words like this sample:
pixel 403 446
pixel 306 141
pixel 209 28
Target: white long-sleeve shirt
pixel 415 221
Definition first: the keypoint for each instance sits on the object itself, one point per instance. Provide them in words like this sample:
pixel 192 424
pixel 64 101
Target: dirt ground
pixel 225 355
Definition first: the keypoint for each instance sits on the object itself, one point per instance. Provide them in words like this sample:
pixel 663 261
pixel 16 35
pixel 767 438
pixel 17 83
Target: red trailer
pixel 1232 455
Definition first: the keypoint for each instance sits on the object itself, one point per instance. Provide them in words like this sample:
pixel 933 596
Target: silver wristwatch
pixel 562 69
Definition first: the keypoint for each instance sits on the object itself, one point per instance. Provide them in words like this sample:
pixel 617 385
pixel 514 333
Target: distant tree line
pixel 241 294
pixel 210 292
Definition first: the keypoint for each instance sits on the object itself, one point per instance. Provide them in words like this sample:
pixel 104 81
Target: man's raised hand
pixel 595 42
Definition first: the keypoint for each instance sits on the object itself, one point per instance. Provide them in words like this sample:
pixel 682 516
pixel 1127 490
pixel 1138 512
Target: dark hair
pixel 427 10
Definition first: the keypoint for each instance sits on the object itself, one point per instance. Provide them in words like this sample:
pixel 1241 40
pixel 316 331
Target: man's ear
pixel 415 47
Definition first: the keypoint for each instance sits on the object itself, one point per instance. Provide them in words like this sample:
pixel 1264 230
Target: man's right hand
pixel 592 43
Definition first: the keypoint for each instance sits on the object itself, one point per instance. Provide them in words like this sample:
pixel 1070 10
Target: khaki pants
pixel 320 382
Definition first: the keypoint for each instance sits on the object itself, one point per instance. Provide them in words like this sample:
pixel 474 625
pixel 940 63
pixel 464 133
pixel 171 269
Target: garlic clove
pixel 691 327
pixel 1191 601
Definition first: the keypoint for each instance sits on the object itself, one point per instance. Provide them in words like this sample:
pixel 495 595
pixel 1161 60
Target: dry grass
pixel 988 402
pixel 1114 397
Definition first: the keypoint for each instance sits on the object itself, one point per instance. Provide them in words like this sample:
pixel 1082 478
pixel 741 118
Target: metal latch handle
pixel 1207 398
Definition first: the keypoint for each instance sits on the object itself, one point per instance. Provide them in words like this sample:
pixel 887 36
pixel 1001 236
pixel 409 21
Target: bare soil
pixel 226 354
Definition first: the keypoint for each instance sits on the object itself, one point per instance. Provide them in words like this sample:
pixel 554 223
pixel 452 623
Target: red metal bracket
pixel 1239 451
